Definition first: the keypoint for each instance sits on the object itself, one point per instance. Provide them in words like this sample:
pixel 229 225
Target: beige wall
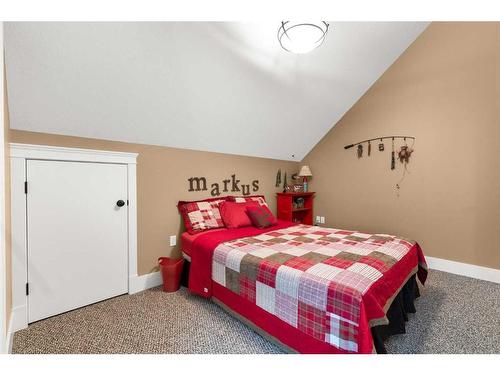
pixel 445 90
pixel 162 175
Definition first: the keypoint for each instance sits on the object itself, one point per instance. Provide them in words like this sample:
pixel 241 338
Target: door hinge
pixel 25 187
pixel 127 202
pixel 27 289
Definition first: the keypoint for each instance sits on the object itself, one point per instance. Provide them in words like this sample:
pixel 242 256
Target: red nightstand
pixel 288 210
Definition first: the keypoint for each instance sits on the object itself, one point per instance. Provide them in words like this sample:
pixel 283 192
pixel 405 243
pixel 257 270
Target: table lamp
pixel 305 172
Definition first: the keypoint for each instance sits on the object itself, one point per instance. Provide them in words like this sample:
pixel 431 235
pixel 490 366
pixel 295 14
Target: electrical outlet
pixel 322 220
pixel 173 240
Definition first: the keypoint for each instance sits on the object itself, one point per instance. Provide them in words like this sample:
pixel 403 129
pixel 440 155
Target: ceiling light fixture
pixel 303 37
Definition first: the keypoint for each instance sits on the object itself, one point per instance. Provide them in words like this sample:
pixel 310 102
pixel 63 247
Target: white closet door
pixel 77 235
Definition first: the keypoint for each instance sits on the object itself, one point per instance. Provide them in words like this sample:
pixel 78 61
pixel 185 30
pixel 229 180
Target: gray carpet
pixel 455 314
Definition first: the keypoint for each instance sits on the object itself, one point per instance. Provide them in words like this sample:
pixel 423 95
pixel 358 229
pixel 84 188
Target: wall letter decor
pixel 197 180
pixel 235 186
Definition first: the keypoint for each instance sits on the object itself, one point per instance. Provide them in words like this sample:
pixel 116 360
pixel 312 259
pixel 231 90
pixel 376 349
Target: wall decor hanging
pixel 403 154
pixel 286 188
pixel 393 156
pixel 360 151
pixel 278 178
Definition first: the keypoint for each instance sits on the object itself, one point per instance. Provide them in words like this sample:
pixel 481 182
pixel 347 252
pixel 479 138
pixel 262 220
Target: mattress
pixel 187 241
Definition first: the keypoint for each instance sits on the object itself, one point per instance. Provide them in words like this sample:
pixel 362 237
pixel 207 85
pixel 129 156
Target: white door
pixel 77 235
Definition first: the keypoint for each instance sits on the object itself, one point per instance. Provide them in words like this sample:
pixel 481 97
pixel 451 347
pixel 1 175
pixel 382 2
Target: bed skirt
pixel 397 314
pixel 401 306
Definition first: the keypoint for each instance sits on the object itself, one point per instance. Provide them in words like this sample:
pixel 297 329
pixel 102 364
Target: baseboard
pixel 18 318
pixel 139 283
pixel 464 269
pixel 18 321
pixel 10 337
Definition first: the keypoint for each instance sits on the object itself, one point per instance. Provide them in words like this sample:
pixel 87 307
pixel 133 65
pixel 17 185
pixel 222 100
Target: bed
pixel 309 289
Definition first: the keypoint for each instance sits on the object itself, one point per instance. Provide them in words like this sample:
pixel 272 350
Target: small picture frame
pixel 298 188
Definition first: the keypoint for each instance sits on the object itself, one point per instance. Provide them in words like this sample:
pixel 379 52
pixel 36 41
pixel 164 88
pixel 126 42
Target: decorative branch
pixel 381 138
pixel 403 154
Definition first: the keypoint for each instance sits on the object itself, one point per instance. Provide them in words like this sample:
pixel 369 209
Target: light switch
pixel 318 219
pixel 173 240
pixel 322 220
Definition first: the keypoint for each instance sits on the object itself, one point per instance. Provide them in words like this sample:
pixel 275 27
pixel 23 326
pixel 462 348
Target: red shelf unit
pixel 286 210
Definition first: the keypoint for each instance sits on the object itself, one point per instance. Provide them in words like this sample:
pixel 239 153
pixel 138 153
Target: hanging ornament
pixel 369 148
pixel 381 145
pixel 360 151
pixel 404 154
pixel 393 156
pixel 286 188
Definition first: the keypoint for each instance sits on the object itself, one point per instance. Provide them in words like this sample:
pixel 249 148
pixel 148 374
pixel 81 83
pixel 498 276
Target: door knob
pixel 120 203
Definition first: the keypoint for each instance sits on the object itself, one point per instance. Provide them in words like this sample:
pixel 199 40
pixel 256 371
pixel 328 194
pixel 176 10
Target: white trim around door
pixel 40 152
pixel 19 154
pixel 3 268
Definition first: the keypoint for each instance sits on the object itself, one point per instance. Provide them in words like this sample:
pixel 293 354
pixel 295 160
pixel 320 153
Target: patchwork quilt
pixel 324 282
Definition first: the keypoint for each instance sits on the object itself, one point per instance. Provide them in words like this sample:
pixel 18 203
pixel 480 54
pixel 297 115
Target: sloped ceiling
pixel 224 87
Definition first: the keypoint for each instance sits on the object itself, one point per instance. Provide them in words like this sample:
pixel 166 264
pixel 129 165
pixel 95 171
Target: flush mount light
pixel 302 37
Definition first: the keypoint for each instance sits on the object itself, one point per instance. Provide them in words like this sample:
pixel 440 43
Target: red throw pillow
pixel 199 216
pixel 261 216
pixel 234 215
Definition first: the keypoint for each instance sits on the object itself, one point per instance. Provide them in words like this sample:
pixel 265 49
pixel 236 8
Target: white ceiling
pixel 224 87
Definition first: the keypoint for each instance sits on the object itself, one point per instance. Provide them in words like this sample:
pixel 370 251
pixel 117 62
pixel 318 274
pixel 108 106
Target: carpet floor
pixel 455 314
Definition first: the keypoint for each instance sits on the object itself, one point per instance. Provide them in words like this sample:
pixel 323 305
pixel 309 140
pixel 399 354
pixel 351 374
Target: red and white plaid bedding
pixel 260 199
pixel 201 215
pixel 318 280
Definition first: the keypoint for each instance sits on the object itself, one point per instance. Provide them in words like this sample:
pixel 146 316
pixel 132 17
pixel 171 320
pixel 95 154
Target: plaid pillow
pixel 201 215
pixel 252 198
pixel 261 216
